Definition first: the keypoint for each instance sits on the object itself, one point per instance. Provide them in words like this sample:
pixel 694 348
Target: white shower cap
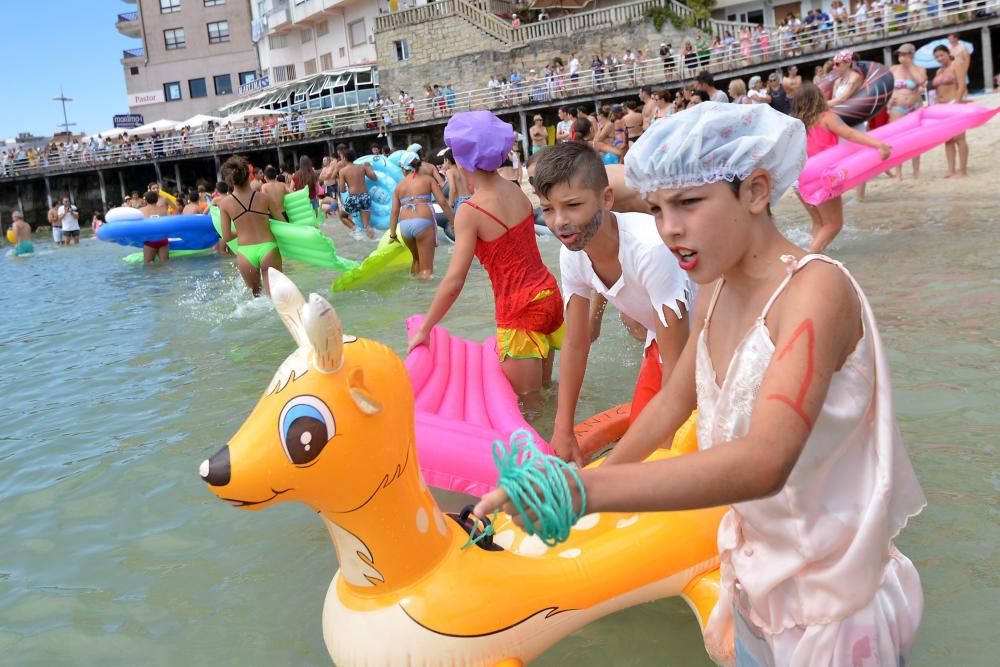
pixel 711 142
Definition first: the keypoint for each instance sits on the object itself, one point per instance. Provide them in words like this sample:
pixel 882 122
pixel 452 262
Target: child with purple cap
pixel 497 226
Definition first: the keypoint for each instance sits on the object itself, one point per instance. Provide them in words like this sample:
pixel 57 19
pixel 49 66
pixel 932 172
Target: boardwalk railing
pixel 594 83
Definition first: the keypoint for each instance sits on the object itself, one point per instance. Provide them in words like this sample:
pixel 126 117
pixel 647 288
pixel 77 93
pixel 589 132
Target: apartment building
pixel 314 54
pixel 193 56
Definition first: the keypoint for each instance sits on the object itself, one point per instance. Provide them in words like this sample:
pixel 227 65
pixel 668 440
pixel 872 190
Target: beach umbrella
pixel 199 120
pixel 253 113
pixel 157 125
pixel 924 57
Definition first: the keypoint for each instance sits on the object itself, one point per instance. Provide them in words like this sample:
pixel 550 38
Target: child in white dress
pixel 796 428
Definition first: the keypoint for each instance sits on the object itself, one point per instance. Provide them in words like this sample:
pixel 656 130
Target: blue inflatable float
pixel 185 232
pixel 388 174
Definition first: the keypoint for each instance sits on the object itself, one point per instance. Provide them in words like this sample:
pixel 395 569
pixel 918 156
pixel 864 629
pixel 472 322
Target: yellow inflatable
pixel 335 430
pixel 172 206
pixel 10 236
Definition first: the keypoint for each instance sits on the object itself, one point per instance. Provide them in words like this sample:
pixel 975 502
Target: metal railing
pixel 134 53
pixel 593 83
pixel 127 17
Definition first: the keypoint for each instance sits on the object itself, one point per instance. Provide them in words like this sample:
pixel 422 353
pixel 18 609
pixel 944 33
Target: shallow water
pixel 119 380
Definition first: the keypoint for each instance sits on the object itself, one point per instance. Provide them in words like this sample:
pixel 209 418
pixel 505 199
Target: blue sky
pixel 72 43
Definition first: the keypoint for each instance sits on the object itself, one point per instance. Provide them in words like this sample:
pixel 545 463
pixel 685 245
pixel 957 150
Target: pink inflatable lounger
pixel 463 403
pixel 839 168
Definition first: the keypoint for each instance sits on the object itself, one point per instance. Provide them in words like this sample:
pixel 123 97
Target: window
pixel 170 6
pixel 284 72
pixel 172 91
pixel 174 38
pixel 134 71
pixel 402 48
pixel 277 41
pixel 247 77
pixel 214 3
pixel 307 35
pixel 223 84
pixel 343 51
pixel 357 31
pixel 326 61
pixel 322 28
pixel 310 66
pixel 196 88
pixel 218 32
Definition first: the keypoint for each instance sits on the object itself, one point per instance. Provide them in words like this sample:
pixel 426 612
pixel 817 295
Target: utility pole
pixel 62 98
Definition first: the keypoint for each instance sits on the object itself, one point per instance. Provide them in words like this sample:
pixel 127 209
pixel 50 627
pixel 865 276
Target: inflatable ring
pixel 871 98
pixel 185 232
pixel 408 570
pixel 388 175
pixel 120 213
pixel 609 158
pixel 172 201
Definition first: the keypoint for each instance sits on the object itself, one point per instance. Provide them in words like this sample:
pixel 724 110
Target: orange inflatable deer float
pixel 335 430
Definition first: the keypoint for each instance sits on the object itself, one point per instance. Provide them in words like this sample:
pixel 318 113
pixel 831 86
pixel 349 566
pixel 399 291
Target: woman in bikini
pixel 632 122
pixel 497 226
pixel 906 96
pixel 949 85
pixel 663 104
pixel 413 215
pixel 248 211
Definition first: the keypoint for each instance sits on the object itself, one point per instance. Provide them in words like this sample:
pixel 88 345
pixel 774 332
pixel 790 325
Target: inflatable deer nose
pixel 215 470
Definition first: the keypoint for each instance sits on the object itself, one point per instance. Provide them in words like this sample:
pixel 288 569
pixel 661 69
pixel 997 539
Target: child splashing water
pixel 497 226
pixel 796 428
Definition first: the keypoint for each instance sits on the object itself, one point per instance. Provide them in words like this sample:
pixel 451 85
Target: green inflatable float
pixel 387 257
pixel 300 237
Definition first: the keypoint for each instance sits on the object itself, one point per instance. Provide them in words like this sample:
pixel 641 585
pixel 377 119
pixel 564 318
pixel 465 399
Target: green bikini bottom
pixel 256 252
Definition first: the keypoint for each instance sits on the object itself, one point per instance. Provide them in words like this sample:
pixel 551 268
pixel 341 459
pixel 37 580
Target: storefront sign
pixel 254 86
pixel 141 99
pixel 128 120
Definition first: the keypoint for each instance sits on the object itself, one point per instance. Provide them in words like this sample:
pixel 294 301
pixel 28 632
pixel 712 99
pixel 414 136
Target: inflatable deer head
pixel 335 430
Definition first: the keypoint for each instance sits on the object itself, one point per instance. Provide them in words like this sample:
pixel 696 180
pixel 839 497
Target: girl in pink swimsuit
pixel 824 130
pixel 796 428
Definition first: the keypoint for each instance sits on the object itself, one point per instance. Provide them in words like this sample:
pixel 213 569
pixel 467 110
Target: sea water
pixel 118 380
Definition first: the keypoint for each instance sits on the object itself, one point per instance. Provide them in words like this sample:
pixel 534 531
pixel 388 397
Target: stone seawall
pixel 452 50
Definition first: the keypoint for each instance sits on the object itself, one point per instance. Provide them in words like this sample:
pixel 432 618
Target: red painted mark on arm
pixel 806 328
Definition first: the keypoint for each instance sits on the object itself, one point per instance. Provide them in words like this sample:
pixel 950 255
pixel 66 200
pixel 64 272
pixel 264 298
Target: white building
pixel 314 54
pixel 191 58
pixel 767 12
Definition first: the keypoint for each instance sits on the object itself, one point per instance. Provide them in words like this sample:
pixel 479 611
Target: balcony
pixel 129 54
pixel 128 24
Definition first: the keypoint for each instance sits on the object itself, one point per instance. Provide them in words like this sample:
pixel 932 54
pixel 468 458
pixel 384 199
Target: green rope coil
pixel 539 484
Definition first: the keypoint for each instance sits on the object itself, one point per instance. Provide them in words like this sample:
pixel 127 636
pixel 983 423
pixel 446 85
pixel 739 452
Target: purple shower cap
pixel 478 140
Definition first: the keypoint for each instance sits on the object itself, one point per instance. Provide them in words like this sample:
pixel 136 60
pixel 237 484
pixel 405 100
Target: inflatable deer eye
pixel 305 425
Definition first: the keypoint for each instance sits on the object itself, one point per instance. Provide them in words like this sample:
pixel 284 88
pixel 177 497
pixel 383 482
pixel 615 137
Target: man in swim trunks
pixel 158 248
pixel 539 134
pixel 458 188
pixel 69 215
pixel 161 201
pixel 22 235
pixel 960 54
pixel 792 81
pixel 620 256
pixel 56 223
pixel 351 180
pixel 648 106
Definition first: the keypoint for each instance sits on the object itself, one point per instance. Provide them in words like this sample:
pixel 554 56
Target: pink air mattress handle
pixel 475 399
pixel 453 403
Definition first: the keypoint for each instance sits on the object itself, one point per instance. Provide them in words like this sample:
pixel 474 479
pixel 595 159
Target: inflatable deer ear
pixel 288 301
pixel 322 327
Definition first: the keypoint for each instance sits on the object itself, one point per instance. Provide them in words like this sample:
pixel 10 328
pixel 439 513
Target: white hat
pixel 710 142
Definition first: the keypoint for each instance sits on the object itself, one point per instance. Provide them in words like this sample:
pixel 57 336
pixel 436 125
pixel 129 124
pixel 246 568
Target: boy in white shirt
pixel 70 217
pixel 622 258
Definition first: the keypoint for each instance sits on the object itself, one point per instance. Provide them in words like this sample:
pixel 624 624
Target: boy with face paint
pixel 621 257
